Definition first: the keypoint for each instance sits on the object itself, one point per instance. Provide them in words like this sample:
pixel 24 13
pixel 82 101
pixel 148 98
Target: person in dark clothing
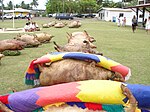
pixel 134 23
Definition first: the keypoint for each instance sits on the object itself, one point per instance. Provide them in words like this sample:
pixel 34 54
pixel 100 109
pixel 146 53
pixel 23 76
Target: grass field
pixel 117 43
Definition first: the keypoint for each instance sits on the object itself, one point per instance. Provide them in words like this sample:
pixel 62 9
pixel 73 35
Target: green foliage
pixel 9 5
pixel 110 4
pixel 34 3
pixel 71 6
pixel 132 3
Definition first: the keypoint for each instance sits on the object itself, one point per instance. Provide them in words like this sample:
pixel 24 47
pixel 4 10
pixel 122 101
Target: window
pixel 121 14
pixel 147 1
pixel 141 16
pixel 141 2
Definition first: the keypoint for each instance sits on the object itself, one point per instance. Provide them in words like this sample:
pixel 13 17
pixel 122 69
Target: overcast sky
pixel 41 2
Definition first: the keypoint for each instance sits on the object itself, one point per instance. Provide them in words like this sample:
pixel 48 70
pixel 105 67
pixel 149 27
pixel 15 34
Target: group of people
pixel 146 24
pixel 121 21
pixel 31 26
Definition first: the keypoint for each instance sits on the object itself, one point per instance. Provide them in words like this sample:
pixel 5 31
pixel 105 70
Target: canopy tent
pixel 142 8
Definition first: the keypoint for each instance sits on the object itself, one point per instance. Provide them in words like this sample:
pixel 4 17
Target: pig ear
pixel 85 32
pixel 4 108
pixel 69 36
pixel 56 44
pixel 57 49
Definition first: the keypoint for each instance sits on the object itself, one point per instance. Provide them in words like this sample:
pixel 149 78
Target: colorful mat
pixel 33 73
pixel 90 91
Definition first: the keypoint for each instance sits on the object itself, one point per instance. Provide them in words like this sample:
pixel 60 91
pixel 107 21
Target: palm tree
pixel 1 1
pixel 34 3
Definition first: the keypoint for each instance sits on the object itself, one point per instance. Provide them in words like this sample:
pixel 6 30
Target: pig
pixel 45 26
pixel 4 108
pixel 30 40
pixel 69 70
pixel 11 44
pixel 59 25
pixel 50 24
pixel 43 37
pixel 80 35
pixel 71 47
pixel 78 42
pixel 74 24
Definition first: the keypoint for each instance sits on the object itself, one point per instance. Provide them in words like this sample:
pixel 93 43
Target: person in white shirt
pixel 147 25
pixel 27 27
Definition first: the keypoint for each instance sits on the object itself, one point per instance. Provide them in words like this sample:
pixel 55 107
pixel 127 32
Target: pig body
pixel 59 25
pixel 70 70
pixel 43 37
pixel 11 44
pixel 50 24
pixel 74 24
pixel 30 40
pixel 45 26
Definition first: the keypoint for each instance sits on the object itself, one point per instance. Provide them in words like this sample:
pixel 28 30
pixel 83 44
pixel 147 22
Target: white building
pixel 143 2
pixel 112 14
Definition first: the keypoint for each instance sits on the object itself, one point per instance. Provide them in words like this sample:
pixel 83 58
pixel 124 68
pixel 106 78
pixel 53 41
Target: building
pixel 143 6
pixel 18 12
pixel 112 14
pixel 140 2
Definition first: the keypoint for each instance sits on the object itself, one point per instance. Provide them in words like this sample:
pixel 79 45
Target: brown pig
pixel 75 47
pixel 43 37
pixel 74 24
pixel 69 70
pixel 59 25
pixel 30 40
pixel 80 35
pixel 11 44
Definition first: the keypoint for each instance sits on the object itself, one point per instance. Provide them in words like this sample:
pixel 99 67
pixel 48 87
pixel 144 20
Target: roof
pixel 115 9
pixel 21 10
pixel 17 10
pixel 140 6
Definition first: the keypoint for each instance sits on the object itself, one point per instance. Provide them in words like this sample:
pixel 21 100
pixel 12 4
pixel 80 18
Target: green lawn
pixel 117 43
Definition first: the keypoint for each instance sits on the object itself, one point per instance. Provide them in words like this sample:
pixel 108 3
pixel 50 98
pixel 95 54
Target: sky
pixel 40 2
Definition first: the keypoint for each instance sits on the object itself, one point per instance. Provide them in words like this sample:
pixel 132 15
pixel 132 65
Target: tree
pixel 2 7
pixel 34 3
pixel 10 5
pixel 110 4
pixel 133 3
pixel 23 5
pixel 17 6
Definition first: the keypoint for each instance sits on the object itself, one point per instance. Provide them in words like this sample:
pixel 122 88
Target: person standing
pixel 134 23
pixel 124 21
pixel 147 25
pixel 119 22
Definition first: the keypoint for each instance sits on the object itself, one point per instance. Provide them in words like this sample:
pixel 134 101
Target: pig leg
pixel 3 108
pixel 132 101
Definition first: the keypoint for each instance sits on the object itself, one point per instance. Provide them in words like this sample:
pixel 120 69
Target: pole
pixel 13 15
pixel 2 11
